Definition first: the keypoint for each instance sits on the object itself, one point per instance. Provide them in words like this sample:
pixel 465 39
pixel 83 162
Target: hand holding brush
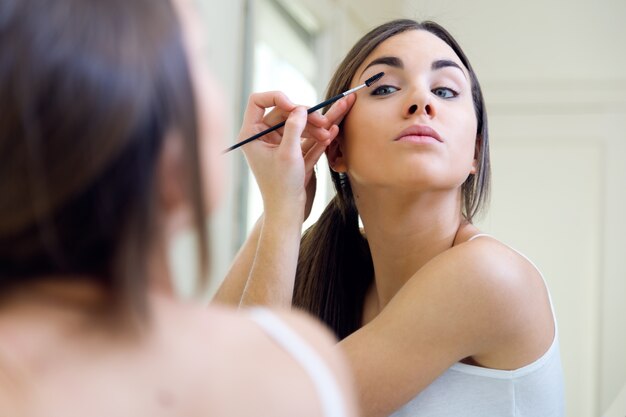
pixel 323 104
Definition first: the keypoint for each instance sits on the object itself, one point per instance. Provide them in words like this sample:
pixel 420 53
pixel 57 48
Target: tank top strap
pixel 478 235
pixel 325 383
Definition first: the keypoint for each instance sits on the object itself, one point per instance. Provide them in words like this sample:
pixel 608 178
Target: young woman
pixel 436 318
pixel 107 149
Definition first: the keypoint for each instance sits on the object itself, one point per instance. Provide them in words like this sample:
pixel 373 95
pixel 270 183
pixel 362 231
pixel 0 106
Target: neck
pixel 159 276
pixel 405 231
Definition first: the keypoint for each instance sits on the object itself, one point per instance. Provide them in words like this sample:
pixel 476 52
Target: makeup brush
pixel 367 83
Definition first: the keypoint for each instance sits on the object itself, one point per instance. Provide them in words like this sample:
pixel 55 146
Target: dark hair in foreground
pixel 335 266
pixel 88 92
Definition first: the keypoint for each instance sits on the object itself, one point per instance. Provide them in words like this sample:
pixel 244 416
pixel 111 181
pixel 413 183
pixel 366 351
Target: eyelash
pixel 454 93
pixel 377 91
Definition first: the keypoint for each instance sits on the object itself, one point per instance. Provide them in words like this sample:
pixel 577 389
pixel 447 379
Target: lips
pixel 419 133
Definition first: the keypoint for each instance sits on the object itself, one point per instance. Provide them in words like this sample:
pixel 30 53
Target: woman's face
pixel 416 127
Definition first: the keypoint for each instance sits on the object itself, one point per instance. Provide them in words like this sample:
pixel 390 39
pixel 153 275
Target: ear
pixel 474 168
pixel 334 153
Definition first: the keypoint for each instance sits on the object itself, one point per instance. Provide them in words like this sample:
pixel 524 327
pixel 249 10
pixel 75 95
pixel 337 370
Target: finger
pixel 339 109
pixel 320 120
pixel 292 133
pixel 276 115
pixel 332 133
pixel 273 138
pixel 259 102
pixel 317 119
pixel 318 133
pixel 306 145
pixel 313 156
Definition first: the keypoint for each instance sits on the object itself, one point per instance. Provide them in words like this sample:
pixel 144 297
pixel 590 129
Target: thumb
pixel 294 126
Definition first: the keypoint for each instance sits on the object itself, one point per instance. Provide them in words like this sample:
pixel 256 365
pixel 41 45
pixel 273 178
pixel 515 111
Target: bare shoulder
pixel 502 297
pixel 489 260
pixel 324 342
pixel 479 302
pixel 489 267
pixel 482 300
pixel 318 336
pixel 323 345
pixel 236 357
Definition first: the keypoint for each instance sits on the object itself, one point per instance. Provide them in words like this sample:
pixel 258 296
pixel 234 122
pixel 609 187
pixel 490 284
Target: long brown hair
pixel 335 266
pixel 88 92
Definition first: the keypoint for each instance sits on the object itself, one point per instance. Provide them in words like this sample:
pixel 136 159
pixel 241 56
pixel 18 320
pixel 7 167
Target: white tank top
pixel 535 390
pixel 328 392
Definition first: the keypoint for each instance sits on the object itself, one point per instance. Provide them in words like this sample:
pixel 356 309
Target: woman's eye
pixel 445 92
pixel 383 90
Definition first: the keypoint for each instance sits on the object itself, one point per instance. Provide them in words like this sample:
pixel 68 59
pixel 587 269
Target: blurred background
pixel 553 74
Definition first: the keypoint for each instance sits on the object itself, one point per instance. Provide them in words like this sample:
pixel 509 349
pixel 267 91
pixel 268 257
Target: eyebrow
pixel 392 61
pixel 396 62
pixel 444 63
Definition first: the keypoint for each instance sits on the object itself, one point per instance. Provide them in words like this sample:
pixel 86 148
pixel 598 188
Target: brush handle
pixel 281 124
pixel 331 100
pixel 325 103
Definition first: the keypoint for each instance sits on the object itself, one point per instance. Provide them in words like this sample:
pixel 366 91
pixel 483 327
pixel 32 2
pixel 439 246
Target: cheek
pixel 351 121
pixel 352 135
pixel 462 125
pixel 361 129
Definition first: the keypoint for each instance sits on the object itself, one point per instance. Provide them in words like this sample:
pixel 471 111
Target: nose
pixel 419 103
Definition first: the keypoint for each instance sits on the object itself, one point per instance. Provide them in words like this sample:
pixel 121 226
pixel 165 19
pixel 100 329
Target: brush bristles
pixel 373 79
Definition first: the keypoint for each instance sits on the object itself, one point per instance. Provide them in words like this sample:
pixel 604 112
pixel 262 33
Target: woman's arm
pixel 476 300
pixel 232 287
pixel 264 269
